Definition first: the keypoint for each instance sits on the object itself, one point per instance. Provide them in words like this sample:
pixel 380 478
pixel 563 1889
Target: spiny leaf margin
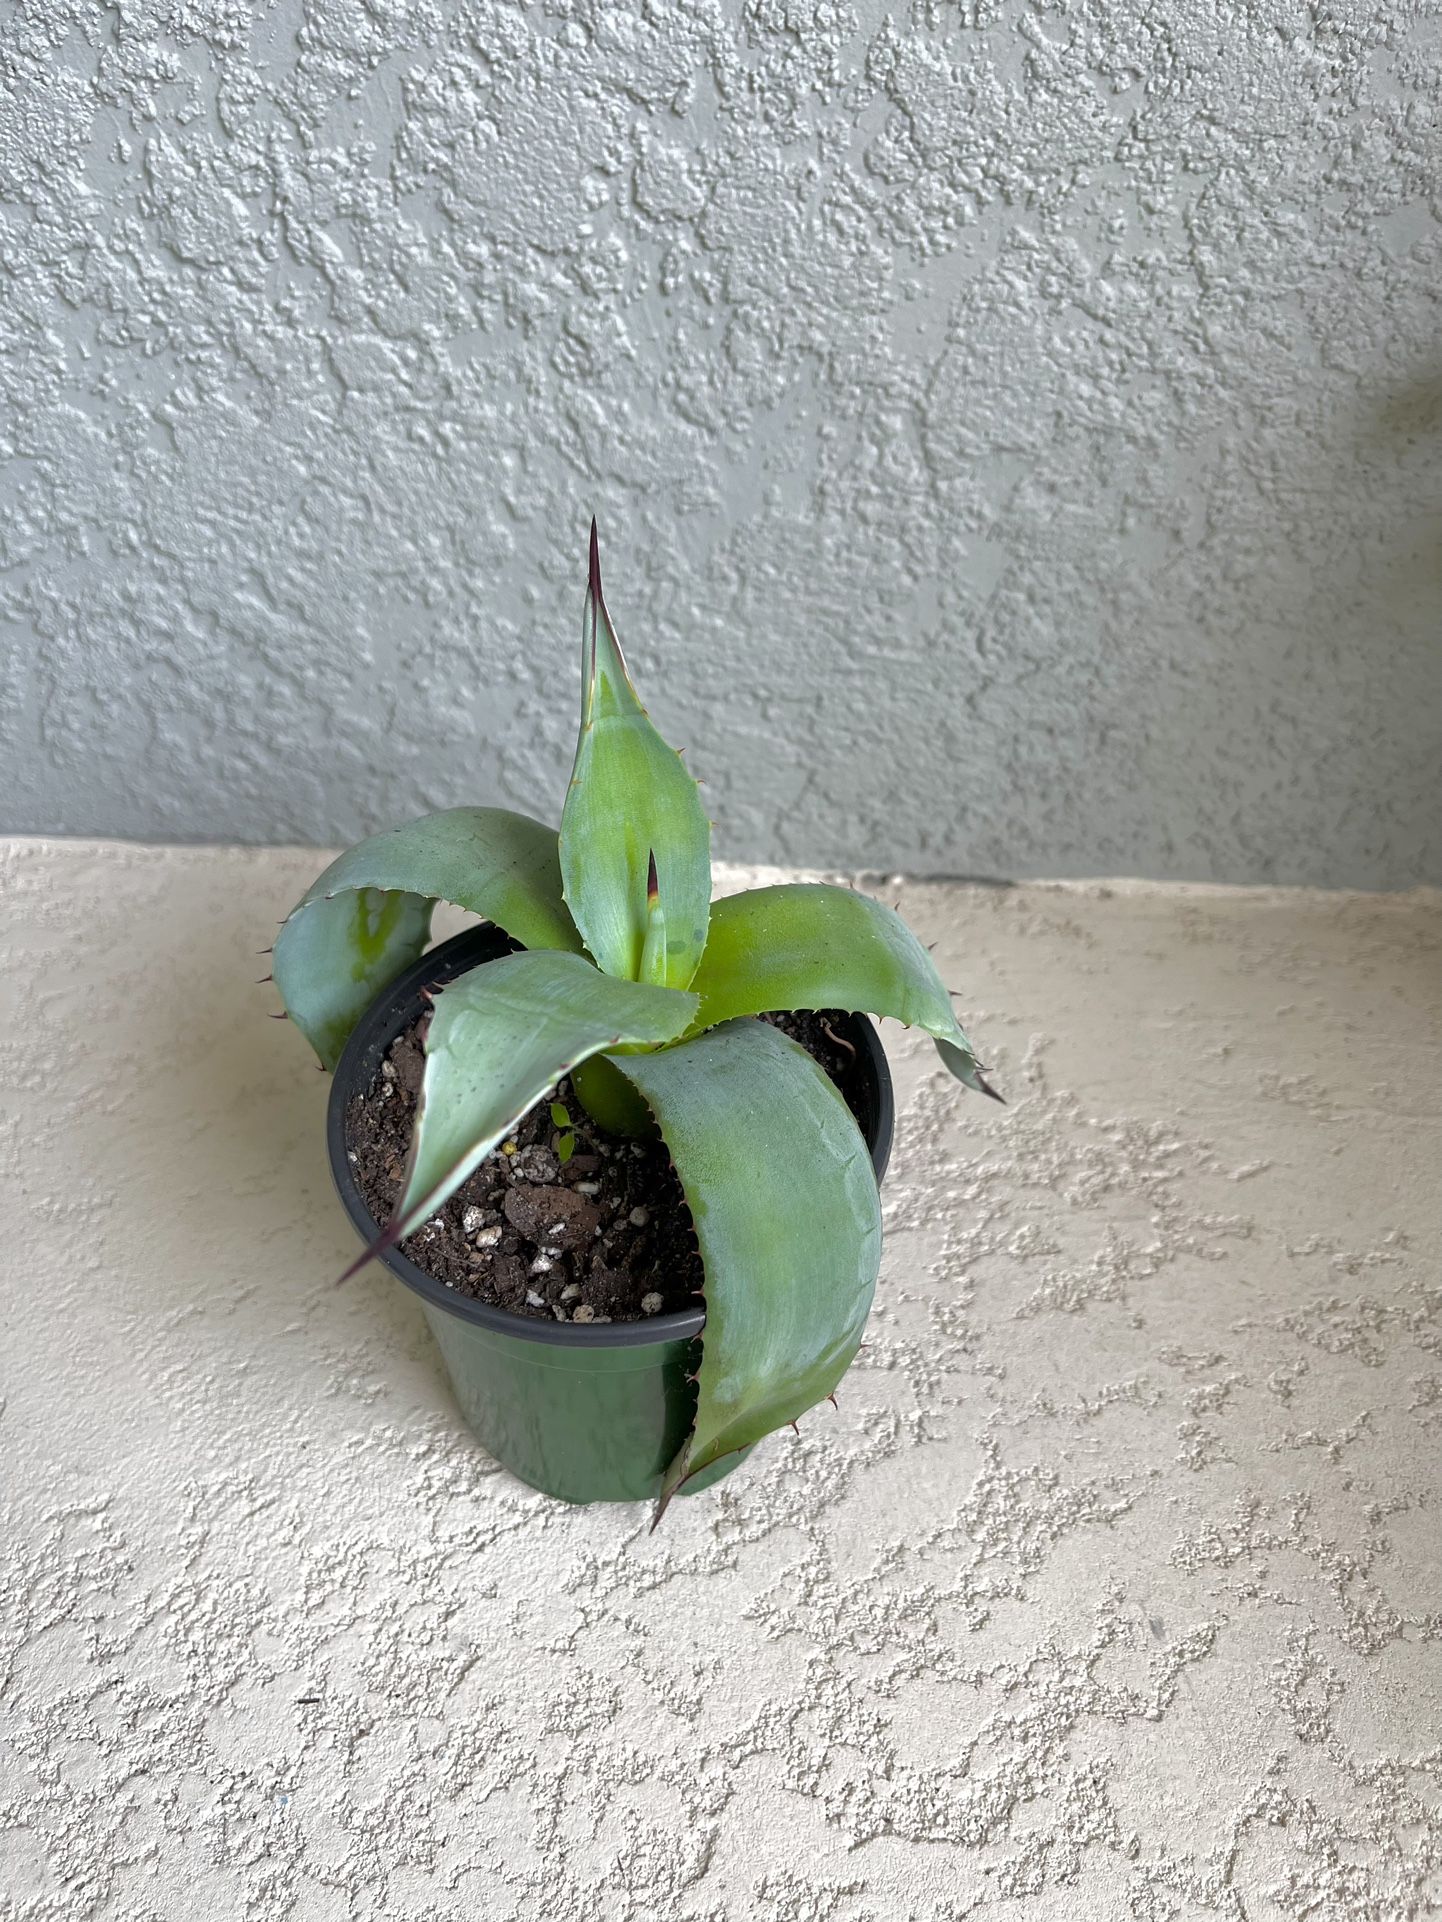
pixel 787 1215
pixel 808 944
pixel 369 914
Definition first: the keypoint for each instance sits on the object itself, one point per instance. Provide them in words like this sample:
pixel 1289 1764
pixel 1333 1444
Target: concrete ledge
pixel 1109 1591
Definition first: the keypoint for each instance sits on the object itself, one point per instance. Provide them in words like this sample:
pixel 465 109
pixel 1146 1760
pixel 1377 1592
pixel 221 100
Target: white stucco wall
pixel 1014 426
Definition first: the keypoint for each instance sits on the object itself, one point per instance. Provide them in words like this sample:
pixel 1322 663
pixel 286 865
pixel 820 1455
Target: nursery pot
pixel 584 1412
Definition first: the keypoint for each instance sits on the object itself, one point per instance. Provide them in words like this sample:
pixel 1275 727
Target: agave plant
pixel 643 990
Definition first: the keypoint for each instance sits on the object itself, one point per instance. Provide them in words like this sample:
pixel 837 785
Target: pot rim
pixel 393 1010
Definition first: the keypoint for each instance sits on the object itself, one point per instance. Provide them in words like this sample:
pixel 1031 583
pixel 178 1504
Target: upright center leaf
pixel 633 815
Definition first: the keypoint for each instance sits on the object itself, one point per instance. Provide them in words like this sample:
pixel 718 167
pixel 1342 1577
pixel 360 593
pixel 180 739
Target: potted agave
pixel 500 1101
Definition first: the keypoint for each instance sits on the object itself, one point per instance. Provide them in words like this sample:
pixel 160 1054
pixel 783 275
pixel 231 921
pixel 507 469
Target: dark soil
pixel 603 1236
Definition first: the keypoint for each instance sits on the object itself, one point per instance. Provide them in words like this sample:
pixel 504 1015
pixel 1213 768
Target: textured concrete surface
pixel 1110 1591
pixel 1035 408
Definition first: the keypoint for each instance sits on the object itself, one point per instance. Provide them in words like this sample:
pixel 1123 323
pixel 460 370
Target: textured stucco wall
pixel 1015 425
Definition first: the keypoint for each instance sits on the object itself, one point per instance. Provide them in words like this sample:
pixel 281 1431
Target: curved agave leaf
pixel 787 1214
pixel 369 914
pixel 499 1038
pixel 807 945
pixel 631 807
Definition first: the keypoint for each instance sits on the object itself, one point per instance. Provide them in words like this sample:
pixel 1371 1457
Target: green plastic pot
pixel 586 1413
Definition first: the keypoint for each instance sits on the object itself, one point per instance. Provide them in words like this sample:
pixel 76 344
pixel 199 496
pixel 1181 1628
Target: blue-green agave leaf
pixel 807 945
pixel 632 812
pixel 369 915
pixel 783 1195
pixel 499 1039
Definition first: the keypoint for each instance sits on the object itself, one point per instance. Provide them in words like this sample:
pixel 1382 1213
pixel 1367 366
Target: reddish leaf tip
pixel 354 1269
pixel 653 885
pixel 382 1245
pixel 595 560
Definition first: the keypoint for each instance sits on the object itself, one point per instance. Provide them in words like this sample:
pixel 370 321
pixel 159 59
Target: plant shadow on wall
pixel 1404 425
pixel 644 998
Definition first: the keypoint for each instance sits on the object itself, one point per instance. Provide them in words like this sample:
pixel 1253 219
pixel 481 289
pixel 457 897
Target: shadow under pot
pixel 584 1412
